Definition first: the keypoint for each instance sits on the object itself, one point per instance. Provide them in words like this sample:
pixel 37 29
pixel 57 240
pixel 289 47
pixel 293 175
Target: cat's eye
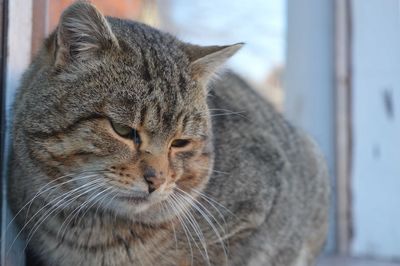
pixel 126 132
pixel 180 143
pixel 122 130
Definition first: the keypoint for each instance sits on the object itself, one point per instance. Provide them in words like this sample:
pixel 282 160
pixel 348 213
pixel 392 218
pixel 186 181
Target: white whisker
pixel 209 199
pixel 206 215
pixel 172 224
pixel 72 216
pixel 40 193
pixel 55 208
pixel 62 196
pixel 193 223
pixel 172 204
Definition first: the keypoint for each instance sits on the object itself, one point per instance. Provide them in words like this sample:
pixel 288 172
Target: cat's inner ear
pixel 82 32
pixel 205 60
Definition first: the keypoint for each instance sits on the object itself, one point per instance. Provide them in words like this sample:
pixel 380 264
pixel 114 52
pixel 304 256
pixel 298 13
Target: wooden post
pixel 343 123
pixel 18 57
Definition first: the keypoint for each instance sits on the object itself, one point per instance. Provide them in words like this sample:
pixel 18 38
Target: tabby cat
pixel 124 153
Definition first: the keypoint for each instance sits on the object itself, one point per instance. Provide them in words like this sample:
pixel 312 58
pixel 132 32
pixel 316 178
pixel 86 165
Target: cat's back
pixel 237 110
pixel 274 171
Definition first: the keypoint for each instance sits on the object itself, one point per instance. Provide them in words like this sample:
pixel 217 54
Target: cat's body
pixel 264 202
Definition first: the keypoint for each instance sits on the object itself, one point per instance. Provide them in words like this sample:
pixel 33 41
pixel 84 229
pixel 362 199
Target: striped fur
pixel 247 189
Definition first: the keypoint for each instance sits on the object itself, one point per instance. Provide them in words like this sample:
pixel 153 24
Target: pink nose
pixel 153 179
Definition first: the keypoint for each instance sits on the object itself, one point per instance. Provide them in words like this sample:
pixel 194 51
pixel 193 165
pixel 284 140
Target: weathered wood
pixel 343 123
pixel 19 28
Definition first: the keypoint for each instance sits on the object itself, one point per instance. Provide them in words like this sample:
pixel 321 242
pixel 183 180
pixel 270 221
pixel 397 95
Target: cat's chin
pixel 149 210
pixel 154 209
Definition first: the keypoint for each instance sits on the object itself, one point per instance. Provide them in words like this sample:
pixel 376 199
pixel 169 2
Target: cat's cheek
pixel 191 181
pixel 195 173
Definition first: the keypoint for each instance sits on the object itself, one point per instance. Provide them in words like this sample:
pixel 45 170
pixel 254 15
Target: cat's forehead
pixel 169 90
pixel 152 60
pixel 154 48
pixel 161 109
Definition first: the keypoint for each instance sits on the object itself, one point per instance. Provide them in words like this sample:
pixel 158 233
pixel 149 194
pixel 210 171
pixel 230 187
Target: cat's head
pixel 117 110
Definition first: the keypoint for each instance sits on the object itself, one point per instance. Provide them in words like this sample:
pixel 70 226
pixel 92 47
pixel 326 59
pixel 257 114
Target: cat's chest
pixel 95 238
pixel 105 242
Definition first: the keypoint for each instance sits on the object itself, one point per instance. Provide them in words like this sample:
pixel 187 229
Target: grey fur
pixel 268 174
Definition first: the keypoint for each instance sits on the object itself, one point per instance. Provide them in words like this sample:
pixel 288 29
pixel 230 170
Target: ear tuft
pixel 205 60
pixel 82 32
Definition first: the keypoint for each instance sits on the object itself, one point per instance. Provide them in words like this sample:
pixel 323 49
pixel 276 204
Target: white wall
pixel 376 128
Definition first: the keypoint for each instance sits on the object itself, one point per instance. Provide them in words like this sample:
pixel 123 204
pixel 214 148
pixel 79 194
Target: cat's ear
pixel 82 32
pixel 205 60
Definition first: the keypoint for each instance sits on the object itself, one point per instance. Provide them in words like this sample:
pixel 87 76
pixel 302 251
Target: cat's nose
pixel 153 179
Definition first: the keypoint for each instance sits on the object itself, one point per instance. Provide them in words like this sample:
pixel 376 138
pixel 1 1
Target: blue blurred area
pixel 260 24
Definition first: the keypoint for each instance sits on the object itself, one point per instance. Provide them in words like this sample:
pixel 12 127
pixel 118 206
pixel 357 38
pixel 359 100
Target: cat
pixel 128 151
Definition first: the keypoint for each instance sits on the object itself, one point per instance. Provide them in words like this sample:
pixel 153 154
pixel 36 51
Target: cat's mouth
pixel 135 198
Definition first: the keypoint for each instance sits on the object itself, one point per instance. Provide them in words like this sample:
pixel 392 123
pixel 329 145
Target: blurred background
pixel 332 67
